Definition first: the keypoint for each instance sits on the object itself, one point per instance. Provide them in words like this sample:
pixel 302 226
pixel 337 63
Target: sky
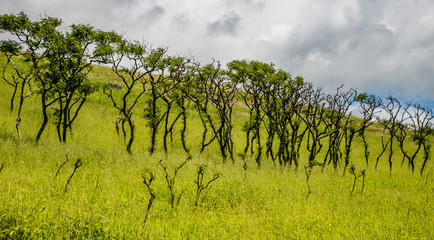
pixel 383 47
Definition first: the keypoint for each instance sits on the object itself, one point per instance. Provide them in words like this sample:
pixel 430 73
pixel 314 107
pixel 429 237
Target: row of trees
pixel 56 65
pixel 284 110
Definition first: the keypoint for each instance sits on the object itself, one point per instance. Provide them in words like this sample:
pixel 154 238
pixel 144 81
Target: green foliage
pixel 10 47
pixel 59 62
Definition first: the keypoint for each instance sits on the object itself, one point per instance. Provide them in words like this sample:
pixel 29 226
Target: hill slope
pixel 46 193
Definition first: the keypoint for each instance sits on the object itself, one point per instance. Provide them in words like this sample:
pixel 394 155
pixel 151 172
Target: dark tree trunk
pixel 44 116
pixel 130 141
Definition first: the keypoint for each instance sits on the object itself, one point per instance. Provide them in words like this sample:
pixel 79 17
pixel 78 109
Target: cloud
pixel 375 46
pixel 151 15
pixel 250 4
pixel 181 21
pixel 227 24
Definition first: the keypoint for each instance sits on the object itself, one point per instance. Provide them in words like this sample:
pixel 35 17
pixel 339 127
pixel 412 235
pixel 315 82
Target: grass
pixel 107 198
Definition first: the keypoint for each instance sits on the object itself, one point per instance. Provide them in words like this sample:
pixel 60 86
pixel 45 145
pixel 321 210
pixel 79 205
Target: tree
pixel 272 87
pixel 70 61
pixel 281 100
pixel 60 63
pixel 179 72
pixel 313 115
pixel 21 79
pixel 183 101
pixel 198 91
pixel 126 59
pixel 295 106
pixel 249 76
pixel 368 105
pixel 423 127
pixel 156 65
pixel 215 85
pixel 390 125
pixel 222 96
pixel 35 39
pixel 337 114
pixel 420 127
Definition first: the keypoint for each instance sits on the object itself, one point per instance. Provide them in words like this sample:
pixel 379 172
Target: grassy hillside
pixel 106 197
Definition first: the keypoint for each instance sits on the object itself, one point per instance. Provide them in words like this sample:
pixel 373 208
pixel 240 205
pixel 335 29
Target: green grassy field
pixel 107 199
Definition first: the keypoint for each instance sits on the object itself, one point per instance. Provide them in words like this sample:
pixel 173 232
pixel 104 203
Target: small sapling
pixel 201 186
pixel 243 156
pixel 171 182
pixel 77 164
pixel 148 177
pixel 308 171
pixel 362 174
pixel 58 170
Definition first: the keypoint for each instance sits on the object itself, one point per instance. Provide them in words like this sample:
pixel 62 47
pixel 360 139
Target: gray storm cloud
pixel 227 24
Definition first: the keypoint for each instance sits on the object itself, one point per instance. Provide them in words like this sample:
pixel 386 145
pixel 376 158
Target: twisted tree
pixel 155 65
pixel 178 73
pixel 419 126
pixel 368 105
pixel 249 77
pixel 59 62
pixel 21 79
pixel 338 116
pixel 198 91
pixel 314 116
pixel 126 60
pixel 35 39
pixel 391 126
pixel 216 86
pixel 70 61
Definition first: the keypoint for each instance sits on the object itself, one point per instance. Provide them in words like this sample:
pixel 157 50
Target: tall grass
pixel 107 198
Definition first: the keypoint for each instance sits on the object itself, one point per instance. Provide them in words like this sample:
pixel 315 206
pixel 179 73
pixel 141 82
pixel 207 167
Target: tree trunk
pixel 130 141
pixel 44 115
